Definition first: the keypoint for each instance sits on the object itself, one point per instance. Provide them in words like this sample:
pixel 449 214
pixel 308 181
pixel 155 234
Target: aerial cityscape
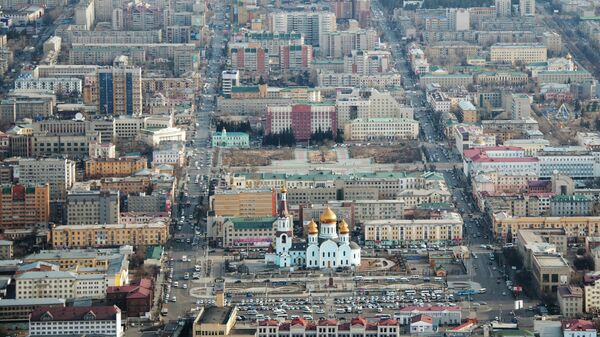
pixel 285 168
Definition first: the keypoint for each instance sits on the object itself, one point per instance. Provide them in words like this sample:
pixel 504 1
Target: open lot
pixel 246 157
pixel 390 154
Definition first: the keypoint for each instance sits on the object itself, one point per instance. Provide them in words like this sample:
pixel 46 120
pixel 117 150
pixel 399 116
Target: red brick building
pixel 135 298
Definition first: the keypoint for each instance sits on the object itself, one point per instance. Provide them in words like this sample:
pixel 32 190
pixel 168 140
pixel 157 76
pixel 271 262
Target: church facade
pixel 327 246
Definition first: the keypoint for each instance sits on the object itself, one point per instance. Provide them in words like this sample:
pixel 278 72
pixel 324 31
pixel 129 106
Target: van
pixel 260 316
pixel 482 290
pixel 438 279
pixel 410 292
pixel 175 284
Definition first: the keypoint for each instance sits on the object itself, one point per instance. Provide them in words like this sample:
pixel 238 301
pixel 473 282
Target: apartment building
pixel 229 79
pixel 573 161
pixel 527 7
pixel 120 90
pixel 340 43
pixel 6 249
pixel 312 25
pixel 380 81
pixel 354 211
pixel 126 185
pixel 570 300
pixel 59 174
pixel 549 272
pixel 395 232
pixel 244 203
pixel 60 137
pixel 121 167
pixel 295 58
pixel 302 119
pixel 77 236
pixel 518 52
pixel 249 60
pixel 158 201
pixel 368 62
pixel 24 206
pixel 273 41
pixel 70 34
pixel 97 320
pixel 446 81
pixel 93 207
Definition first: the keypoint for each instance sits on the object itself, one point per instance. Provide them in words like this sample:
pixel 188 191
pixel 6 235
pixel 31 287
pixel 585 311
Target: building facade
pixel 77 236
pixel 24 206
pixel 48 321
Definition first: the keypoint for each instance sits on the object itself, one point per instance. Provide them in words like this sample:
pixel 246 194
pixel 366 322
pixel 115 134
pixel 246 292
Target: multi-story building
pixel 295 58
pixel 64 85
pixel 63 137
pixel 503 7
pixel 154 136
pixel 574 227
pixel 302 119
pixel 520 107
pixel 6 249
pixel 571 205
pixel 85 14
pixel 249 60
pixel 273 42
pixel 248 232
pixel 393 232
pixel 355 211
pixel 570 300
pixel 376 129
pixel 230 139
pixel 78 236
pixel 439 315
pixel 573 161
pixel 24 206
pixel 357 327
pixel 59 284
pixel 126 185
pixel 312 25
pixel 379 81
pixel 527 7
pixel 552 41
pixel 121 167
pixel 549 272
pixel 413 198
pixel 59 174
pixel 341 43
pixel 446 81
pixel 244 203
pixel 98 320
pixel 158 201
pixel 171 153
pixel 19 310
pixel 70 34
pixel 510 160
pixel 368 104
pixel 518 52
pixel 93 207
pixel 229 79
pixel 368 62
pixel 109 262
pixel 120 90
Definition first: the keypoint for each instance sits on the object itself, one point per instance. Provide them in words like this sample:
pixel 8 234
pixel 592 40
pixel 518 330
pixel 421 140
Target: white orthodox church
pixel 327 247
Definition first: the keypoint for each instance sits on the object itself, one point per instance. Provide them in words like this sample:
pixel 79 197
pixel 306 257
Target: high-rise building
pixel 313 25
pixel 93 207
pixel 85 14
pixel 58 173
pixel 302 119
pixel 24 206
pixel 527 7
pixel 120 90
pixel 230 79
pixel 368 62
pixel 503 7
pixel 295 58
pixel 520 106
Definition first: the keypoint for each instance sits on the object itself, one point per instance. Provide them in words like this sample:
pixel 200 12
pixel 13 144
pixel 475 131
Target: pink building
pixel 253 60
pixel 295 57
pixel 302 119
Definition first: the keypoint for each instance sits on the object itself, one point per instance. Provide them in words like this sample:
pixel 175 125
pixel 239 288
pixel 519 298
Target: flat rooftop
pixel 216 315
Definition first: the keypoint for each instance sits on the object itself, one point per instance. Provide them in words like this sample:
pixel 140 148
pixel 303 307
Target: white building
pixel 527 7
pixel 367 104
pixel 368 62
pixel 230 78
pixel 422 325
pixel 63 85
pixel 572 161
pixel 520 108
pixel 312 25
pixel 53 321
pixel 154 137
pixel 439 315
pixel 58 173
pixel 323 249
pixel 171 153
pixel 60 284
pixel 381 129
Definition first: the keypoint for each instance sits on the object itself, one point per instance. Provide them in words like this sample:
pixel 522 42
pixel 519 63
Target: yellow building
pixel 245 203
pixel 218 320
pixel 575 227
pixel 121 167
pixel 74 236
pixel 518 52
pixel 392 232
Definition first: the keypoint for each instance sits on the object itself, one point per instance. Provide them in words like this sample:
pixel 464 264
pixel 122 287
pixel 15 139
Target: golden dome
pixel 328 216
pixel 283 189
pixel 569 56
pixel 312 227
pixel 344 227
